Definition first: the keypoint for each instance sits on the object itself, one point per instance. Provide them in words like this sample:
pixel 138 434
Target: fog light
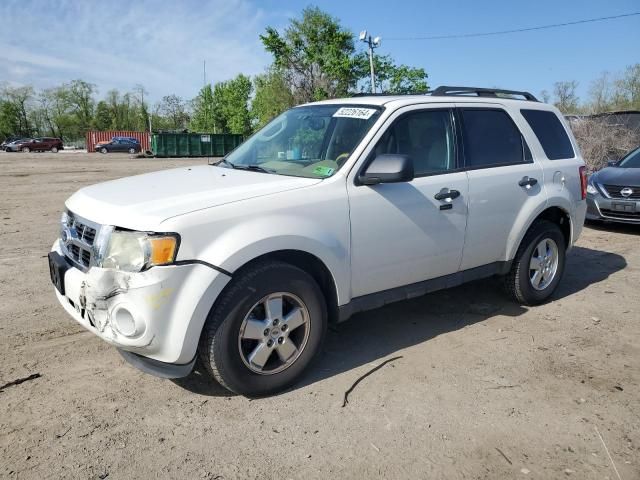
pixel 124 322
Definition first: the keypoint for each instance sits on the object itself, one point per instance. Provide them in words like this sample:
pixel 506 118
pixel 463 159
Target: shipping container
pixel 94 136
pixel 194 144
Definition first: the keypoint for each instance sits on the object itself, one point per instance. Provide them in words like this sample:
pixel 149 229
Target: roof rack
pixel 365 94
pixel 446 91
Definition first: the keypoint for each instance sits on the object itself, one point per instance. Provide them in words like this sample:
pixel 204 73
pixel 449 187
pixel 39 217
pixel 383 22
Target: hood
pixel 624 177
pixel 142 202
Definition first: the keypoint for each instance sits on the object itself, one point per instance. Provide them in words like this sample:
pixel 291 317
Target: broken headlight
pixel 137 251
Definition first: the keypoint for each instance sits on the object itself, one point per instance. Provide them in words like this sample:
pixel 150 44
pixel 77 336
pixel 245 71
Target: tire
pixel 104 150
pixel 54 149
pixel 224 351
pixel 520 281
pixel 26 149
pixel 132 151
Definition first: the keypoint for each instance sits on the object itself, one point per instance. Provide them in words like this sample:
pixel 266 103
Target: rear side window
pixel 492 139
pixel 552 135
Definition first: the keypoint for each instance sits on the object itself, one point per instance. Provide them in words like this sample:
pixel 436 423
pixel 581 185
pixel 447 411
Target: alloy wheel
pixel 543 265
pixel 274 333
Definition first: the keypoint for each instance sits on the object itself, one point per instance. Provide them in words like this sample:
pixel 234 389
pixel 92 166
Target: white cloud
pixel 118 44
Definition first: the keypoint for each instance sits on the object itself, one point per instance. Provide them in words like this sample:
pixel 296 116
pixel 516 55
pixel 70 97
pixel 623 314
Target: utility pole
pixel 371 43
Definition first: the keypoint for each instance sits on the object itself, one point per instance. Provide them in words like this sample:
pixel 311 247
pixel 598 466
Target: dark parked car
pixel 613 193
pixel 119 145
pixel 39 144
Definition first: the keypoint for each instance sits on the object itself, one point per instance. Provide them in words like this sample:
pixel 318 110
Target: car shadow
pixel 374 335
pixel 624 228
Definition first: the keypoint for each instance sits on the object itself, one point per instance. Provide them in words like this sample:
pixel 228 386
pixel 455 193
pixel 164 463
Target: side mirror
pixel 388 168
pixel 611 163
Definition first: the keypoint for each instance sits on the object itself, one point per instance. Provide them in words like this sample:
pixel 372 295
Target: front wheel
pixel 264 330
pixel 103 150
pixel 54 149
pixel 538 265
pixel 132 151
pixel 26 149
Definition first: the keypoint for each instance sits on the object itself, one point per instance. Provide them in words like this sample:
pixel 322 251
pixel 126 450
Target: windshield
pixel 312 141
pixel 632 160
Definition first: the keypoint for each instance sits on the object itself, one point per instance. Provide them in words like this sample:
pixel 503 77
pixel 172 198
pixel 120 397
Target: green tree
pixel 231 105
pixel 9 124
pixel 314 55
pixel 102 118
pixel 81 104
pixel 272 97
pixel 202 119
pixel 19 102
pixel 54 112
pixel 390 78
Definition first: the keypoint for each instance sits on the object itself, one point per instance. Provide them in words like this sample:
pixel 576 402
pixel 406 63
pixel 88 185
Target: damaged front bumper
pixel 155 317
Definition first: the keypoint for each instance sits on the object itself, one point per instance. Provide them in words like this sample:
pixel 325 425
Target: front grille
pixel 85 233
pixel 79 237
pixel 614 191
pixel 621 215
pixel 79 255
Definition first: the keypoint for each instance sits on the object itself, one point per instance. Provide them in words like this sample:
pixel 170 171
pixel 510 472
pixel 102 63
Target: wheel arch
pixel 309 263
pixel 556 214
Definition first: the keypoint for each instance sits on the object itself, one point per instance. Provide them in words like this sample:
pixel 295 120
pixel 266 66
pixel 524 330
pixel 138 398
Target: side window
pixel 426 137
pixel 492 139
pixel 552 135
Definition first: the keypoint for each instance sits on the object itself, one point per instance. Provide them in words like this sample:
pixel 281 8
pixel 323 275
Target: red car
pixel 39 144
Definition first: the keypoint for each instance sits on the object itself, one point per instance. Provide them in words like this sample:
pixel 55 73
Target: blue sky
pixel 162 44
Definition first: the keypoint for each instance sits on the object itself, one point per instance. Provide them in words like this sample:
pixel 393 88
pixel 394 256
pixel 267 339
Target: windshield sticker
pixel 354 112
pixel 322 170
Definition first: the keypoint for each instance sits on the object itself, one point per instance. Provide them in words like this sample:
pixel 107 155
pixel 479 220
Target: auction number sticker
pixel 355 112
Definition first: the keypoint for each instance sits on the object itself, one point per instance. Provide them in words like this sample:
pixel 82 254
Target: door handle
pixel 527 182
pixel 445 194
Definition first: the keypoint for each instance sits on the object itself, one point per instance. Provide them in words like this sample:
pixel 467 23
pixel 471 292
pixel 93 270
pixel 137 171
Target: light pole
pixel 372 43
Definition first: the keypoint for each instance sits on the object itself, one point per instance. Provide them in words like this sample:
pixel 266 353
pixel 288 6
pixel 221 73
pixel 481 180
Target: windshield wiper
pixel 253 168
pixel 225 162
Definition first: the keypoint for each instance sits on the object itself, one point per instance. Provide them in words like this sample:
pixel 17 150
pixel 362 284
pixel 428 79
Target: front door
pixel 403 233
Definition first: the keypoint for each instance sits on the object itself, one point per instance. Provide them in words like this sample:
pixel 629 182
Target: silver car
pixel 613 193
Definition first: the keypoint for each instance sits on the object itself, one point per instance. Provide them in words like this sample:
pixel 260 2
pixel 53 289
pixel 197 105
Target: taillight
pixel 583 181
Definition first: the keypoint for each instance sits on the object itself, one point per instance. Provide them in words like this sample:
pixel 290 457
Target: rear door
pixel 503 180
pixel 404 233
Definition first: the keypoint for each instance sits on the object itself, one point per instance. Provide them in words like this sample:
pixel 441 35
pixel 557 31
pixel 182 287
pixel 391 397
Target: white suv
pixel 333 208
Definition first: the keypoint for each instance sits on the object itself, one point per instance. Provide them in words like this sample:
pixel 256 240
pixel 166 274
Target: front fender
pixel 249 240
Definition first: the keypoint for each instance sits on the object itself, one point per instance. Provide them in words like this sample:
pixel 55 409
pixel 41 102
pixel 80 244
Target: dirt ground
pixel 483 388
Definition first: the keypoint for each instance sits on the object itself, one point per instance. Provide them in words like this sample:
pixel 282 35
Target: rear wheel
pixel 539 264
pixel 264 330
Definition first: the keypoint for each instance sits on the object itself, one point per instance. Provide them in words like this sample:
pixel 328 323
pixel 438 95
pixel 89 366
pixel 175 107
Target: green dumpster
pixel 167 144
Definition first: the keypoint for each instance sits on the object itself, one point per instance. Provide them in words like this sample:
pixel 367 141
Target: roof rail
pixel 447 91
pixel 365 94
